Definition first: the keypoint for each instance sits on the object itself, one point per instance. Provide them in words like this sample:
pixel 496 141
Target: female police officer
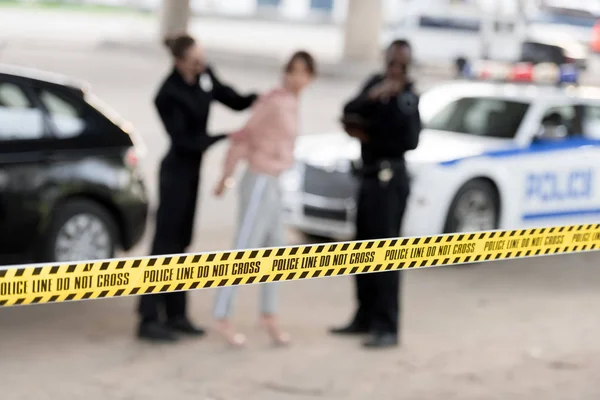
pixel 385 117
pixel 183 103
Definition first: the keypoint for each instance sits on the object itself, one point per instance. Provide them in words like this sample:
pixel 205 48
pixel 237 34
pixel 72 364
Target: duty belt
pixel 384 170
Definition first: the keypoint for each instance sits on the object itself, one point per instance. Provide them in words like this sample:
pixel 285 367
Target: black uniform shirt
pixel 393 127
pixel 184 109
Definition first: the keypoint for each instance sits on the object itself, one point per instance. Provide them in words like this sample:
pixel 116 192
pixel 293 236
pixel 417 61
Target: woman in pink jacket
pixel 266 143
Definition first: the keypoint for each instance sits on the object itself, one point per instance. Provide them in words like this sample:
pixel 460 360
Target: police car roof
pixel 519 91
pixel 43 76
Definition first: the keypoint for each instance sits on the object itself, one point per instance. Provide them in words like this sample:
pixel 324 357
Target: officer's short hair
pixel 400 43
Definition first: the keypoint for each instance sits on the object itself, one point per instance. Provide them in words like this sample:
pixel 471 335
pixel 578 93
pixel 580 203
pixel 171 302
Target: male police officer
pixel 385 118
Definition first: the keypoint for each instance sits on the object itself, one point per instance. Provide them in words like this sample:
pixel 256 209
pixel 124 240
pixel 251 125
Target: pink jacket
pixel 267 140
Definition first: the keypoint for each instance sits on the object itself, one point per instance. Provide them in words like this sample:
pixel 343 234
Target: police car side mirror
pixel 552 132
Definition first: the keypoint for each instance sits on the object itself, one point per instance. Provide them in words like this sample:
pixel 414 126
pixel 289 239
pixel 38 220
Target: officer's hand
pixel 386 89
pixel 356 133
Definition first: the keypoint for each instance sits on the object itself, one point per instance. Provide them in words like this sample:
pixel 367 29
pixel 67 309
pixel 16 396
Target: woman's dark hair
pixel 306 58
pixel 179 44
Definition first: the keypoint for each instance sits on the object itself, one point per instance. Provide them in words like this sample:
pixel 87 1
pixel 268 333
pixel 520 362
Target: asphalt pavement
pixel 507 330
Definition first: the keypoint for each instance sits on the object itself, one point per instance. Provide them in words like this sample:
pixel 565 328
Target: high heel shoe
pixel 278 337
pixel 232 337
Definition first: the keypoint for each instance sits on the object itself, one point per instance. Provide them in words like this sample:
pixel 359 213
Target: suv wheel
pixel 81 230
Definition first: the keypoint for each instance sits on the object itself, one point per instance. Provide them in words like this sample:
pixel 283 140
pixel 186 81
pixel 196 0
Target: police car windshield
pixel 480 116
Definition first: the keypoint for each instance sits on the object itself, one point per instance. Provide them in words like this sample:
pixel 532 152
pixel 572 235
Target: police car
pixel 513 146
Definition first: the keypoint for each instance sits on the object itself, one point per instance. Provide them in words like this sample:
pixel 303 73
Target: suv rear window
pixel 488 117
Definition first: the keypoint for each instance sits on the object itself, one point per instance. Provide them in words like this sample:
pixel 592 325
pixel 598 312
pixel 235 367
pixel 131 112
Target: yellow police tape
pixel 34 284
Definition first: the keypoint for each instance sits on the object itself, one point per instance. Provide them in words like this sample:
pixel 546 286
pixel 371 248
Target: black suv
pixel 70 186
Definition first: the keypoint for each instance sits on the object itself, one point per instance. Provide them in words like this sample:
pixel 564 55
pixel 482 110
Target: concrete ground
pixel 525 330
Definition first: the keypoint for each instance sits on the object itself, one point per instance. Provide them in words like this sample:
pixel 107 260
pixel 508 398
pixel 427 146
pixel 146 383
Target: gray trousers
pixel 260 225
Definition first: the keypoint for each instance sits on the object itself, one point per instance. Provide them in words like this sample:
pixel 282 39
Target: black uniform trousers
pixel 178 194
pixel 380 211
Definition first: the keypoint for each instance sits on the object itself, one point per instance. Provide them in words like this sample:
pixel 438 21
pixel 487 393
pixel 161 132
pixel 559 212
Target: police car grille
pixel 337 185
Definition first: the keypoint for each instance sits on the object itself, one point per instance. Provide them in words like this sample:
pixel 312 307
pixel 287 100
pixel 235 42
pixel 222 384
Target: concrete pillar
pixel 174 17
pixel 362 30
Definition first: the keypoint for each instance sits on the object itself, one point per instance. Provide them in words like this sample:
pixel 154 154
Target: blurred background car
pixel 554 50
pixel 576 23
pixel 70 186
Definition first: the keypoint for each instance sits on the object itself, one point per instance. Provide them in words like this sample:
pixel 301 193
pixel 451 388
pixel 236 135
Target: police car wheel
pixel 474 208
pixel 80 230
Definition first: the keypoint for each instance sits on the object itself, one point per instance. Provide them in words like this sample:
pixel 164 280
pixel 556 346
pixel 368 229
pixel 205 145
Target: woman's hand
pixel 220 188
pixel 224 183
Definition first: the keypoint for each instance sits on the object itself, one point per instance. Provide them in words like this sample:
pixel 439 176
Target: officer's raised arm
pixel 361 102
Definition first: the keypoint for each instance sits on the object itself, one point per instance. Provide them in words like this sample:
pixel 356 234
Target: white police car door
pixel 561 182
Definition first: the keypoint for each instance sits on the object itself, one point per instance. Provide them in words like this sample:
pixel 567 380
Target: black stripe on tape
pixel 165 288
pixel 167 260
pixel 237 281
pixel 121 265
pixel 37 271
pixel 239 255
pixel 208 284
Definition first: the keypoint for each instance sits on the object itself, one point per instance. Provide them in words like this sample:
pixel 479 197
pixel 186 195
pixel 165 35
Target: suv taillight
pixel 131 158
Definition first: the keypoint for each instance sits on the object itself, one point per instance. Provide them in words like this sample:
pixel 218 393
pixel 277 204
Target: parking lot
pixel 518 330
